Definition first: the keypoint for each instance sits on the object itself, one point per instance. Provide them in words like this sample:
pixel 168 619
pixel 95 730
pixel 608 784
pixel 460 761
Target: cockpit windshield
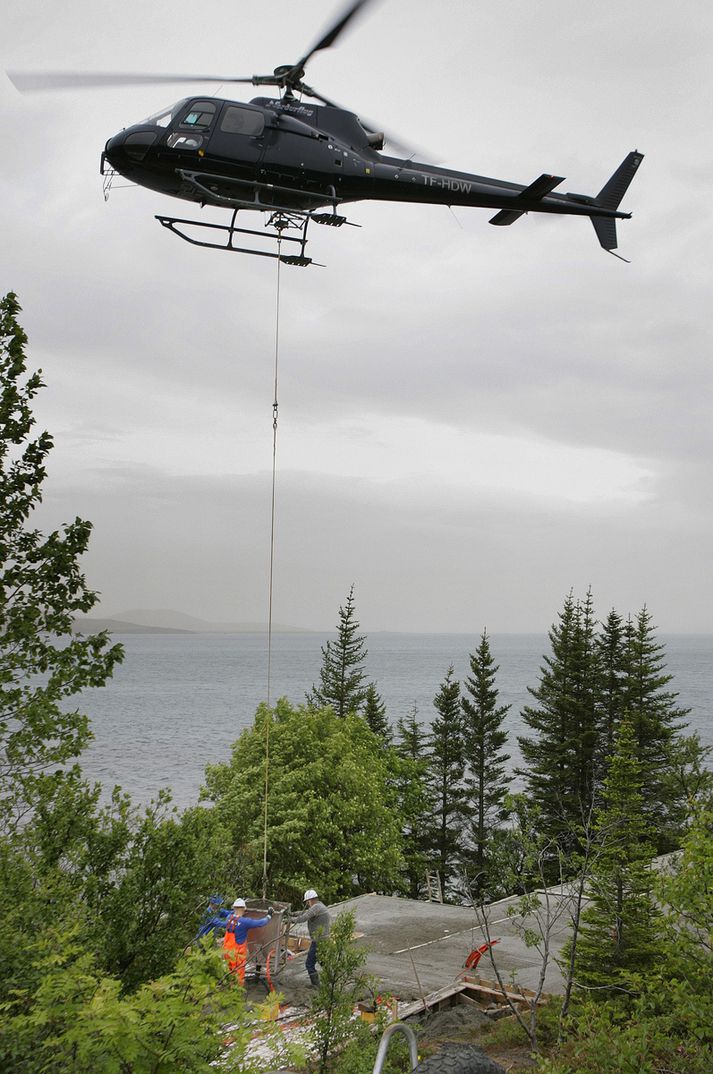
pixel 164 117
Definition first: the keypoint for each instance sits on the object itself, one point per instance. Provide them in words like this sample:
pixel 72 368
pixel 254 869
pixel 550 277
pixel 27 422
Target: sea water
pixel 179 701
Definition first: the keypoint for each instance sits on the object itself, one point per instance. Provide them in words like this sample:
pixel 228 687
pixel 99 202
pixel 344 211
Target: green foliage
pixel 590 684
pixel 508 1032
pixel 562 755
pixel 610 702
pixel 619 935
pixel 342 984
pixel 656 721
pixel 686 892
pixel 688 778
pixel 668 1026
pixel 341 677
pixel 446 776
pixel 375 714
pixel 484 740
pixel 78 1020
pixel 41 589
pixel 331 814
pixel 604 1037
pixel 130 879
pixel 521 851
pixel 359 1053
pixel 142 919
pixel 409 768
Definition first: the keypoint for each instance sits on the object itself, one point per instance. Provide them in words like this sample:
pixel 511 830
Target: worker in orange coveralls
pixel 235 941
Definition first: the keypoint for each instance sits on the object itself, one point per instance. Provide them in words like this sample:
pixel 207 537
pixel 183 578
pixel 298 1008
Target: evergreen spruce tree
pixel 42 589
pixel 410 769
pixel 561 757
pixel 484 739
pixel 610 647
pixel 657 722
pixel 447 771
pixel 341 677
pixel 619 931
pixel 375 714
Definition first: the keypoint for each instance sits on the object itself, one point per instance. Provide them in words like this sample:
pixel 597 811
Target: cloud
pixel 472 419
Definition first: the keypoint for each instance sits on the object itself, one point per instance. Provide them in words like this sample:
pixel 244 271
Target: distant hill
pixel 165 620
pixel 87 625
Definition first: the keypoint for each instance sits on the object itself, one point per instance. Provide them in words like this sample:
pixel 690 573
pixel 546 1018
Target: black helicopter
pixel 301 162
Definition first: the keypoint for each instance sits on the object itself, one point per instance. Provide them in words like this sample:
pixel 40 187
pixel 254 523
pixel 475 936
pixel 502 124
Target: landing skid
pixel 281 218
pixel 229 231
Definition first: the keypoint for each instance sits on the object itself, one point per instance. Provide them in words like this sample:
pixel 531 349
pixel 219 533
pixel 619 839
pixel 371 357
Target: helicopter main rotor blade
pixel 328 39
pixel 37 81
pixel 286 77
pixel 403 148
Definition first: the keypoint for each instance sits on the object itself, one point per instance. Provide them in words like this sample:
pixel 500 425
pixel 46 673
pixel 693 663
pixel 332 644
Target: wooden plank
pixel 468 991
pixel 497 994
pixel 476 979
pixel 495 991
pixel 464 998
pixel 433 1001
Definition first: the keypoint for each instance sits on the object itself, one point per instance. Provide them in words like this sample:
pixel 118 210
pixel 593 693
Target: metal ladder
pixel 433 887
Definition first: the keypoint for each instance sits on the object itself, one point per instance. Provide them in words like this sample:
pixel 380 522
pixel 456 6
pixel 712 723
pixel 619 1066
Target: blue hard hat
pixel 216 900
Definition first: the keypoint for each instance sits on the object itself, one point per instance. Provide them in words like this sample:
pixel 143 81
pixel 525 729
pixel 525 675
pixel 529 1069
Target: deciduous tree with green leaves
pixel 330 809
pixel 78 1019
pixel 342 983
pixel 131 880
pixel 685 890
pixel 341 677
pixel 42 588
pixel 143 913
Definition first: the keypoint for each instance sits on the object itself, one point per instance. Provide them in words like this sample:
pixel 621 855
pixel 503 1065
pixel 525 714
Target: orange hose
pixel 267 972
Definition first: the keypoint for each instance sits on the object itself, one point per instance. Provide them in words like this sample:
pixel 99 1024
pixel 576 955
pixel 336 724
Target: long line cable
pixel 274 482
pixel 268 714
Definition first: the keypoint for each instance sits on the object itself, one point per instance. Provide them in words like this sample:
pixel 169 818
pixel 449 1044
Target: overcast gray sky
pixel 473 420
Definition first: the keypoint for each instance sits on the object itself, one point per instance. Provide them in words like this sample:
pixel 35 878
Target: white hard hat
pixel 238 903
pixel 310 894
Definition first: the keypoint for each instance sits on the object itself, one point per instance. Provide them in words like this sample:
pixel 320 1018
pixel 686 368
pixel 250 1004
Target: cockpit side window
pixel 238 120
pixel 199 116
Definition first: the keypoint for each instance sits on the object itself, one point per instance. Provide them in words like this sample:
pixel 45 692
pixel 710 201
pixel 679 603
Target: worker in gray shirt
pixel 316 917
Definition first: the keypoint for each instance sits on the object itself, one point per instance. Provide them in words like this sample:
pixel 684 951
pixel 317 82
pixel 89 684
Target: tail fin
pixel 605 227
pixel 609 197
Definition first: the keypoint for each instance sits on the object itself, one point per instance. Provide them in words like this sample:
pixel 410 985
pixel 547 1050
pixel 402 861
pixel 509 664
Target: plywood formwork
pixel 409 940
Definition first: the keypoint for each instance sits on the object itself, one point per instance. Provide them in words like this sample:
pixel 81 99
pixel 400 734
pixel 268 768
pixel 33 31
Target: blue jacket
pixel 241 926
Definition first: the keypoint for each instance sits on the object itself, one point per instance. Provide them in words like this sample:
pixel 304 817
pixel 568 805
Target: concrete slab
pixel 418 947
